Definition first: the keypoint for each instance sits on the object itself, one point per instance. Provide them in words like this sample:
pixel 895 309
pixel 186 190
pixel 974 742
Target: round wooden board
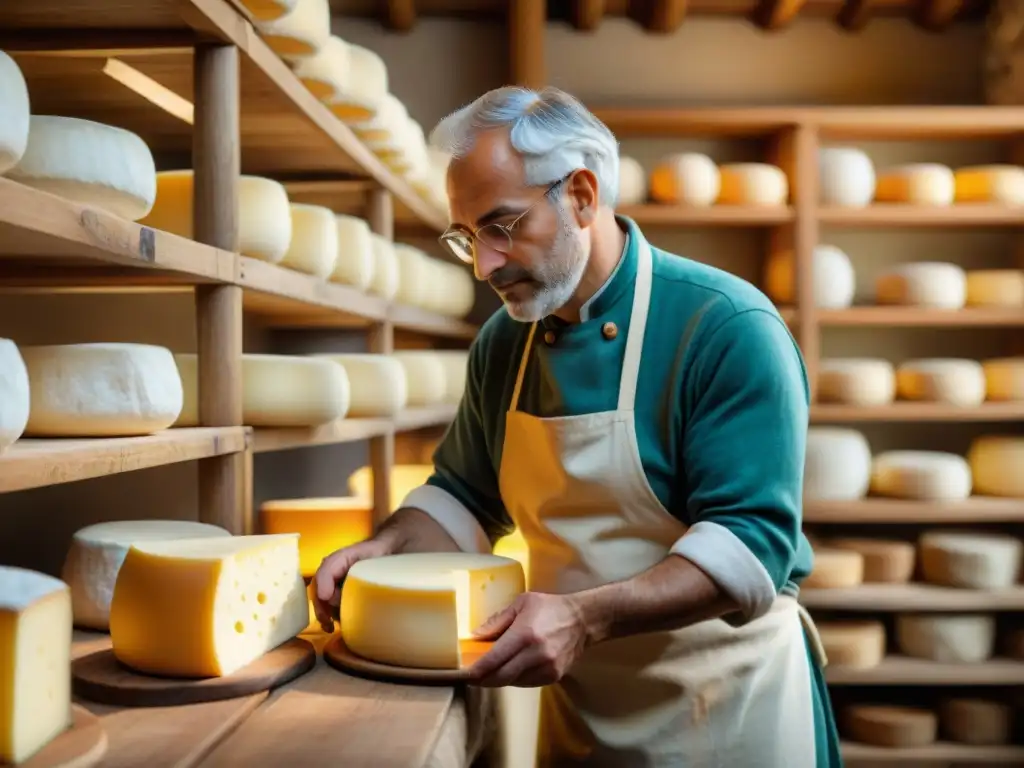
pixel 338 655
pixel 102 678
pixel 83 745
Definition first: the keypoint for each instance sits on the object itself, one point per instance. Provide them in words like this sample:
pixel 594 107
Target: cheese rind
pixel 923 284
pixel 314 244
pixel 947 639
pixel 14 394
pixel 14 120
pixel 916 184
pixel 324 525
pixel 996 462
pixel 1004 378
pixel 688 178
pixel 356 263
pixel 952 381
pixel 367 87
pixel 326 73
pixel 377 384
pixel 456 371
pixel 890 726
pixel 925 475
pixel 858 644
pixel 970 560
pixel 885 561
pixel 999 184
pixel 846 177
pixel 756 184
pixel 424 376
pixel 385 278
pixel 301 32
pixel 632 181
pixel 834 283
pixel 856 381
pixel 976 721
pixel 414 273
pixel 837 464
pixel 995 288
pixel 268 10
pixel 835 569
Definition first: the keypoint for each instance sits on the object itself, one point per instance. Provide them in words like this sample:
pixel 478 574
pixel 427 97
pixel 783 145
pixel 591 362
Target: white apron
pixel 706 695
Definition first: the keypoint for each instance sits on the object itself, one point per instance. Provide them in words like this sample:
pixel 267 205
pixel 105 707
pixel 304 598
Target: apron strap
pixel 637 326
pixel 512 406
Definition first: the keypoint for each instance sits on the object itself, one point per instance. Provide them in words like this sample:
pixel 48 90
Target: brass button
pixel 609 331
pixel 549 337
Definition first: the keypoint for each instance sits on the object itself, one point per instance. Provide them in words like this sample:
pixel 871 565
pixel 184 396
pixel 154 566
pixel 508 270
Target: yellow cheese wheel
pixel 890 726
pixel 314 245
pixel 756 184
pixel 996 462
pixel 301 32
pixel 1004 378
pixel 268 10
pixel 952 381
pixel 999 184
pixel 858 644
pixel 835 569
pixel 324 525
pixel 929 184
pixel 885 561
pixel 689 178
pixel 995 288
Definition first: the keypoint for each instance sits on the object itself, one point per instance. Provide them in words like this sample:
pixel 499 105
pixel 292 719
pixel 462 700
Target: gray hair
pixel 554 133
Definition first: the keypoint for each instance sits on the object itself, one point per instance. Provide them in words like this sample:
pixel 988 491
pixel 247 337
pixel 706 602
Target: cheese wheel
pixel 14 120
pixel 301 32
pixel 846 177
pixel 837 464
pixel 97 551
pixel 264 216
pixel 977 722
pixel 367 87
pixel 424 376
pixel 268 10
pixel 314 245
pixel 758 184
pixel 857 644
pixel 999 184
pixel 35 638
pixel 942 380
pixel 1003 288
pixel 355 261
pixel 326 73
pixel 101 390
pixel 1004 378
pixel 970 560
pixel 377 384
pixel 916 184
pixel 924 284
pixel 199 608
pixel 458 291
pixel 456 370
pixel 414 284
pixel 890 726
pixel 947 639
pixel 389 118
pixel 885 561
pixel 324 525
pixel 996 461
pixel 925 475
pixel 384 281
pixel 88 163
pixel 835 569
pixel 632 181
pixel 689 178
pixel 404 478
pixel 834 282
pixel 412 610
pixel 856 381
pixel 14 394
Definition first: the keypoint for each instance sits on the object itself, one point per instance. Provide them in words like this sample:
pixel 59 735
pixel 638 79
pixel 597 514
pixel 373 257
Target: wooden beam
pixel 587 14
pixel 855 14
pixel 400 15
pixel 936 15
pixel 526 22
pixel 661 16
pixel 776 14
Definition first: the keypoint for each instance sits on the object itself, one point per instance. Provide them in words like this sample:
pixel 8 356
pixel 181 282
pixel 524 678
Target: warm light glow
pixel 324 525
pixel 404 477
pixel 149 89
pixel 514 547
pixel 460 581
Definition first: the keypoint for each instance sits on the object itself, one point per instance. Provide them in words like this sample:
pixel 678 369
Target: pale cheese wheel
pixel 834 282
pixel 952 381
pixel 277 391
pixel 377 384
pixel 835 569
pixel 890 726
pixel 324 525
pixel 88 163
pixel 945 638
pixel 885 561
pixel 1004 378
pixel 355 262
pixel 995 288
pixel 999 184
pixel 366 90
pixel 923 284
pixel 837 464
pixel 264 217
pixel 970 560
pixel 924 475
pixel 101 390
pixel 632 181
pixel 97 551
pixel 414 285
pixel 435 275
pixel 455 292
pixel 384 281
pixel 977 722
pixel 846 177
pixel 456 371
pixel 326 73
pixel 424 376
pixel 301 32
pixel 757 184
pixel 14 119
pixel 997 462
pixel 386 133
pixel 916 184
pixel 855 644
pixel 314 245
pixel 689 178
pixel 863 382
pixel 268 10
pixel 14 394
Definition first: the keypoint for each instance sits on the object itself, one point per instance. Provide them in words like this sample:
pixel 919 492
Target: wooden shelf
pixel 916 411
pixel 915 317
pixel 420 418
pixel 913 597
pixel 655 215
pixel 903 670
pixel 960 215
pixel 941 753
pixel 977 509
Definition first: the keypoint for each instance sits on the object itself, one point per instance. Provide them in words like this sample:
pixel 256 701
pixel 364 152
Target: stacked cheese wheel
pixel 934 184
pixel 434 377
pixel 433 284
pixel 958 719
pixel 943 285
pixel 693 179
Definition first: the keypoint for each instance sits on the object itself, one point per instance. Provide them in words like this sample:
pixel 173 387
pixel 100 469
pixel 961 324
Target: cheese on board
pixel 632 181
pixel 412 610
pixel 846 177
pixel 1003 288
pixel 97 551
pixel 885 561
pixel 857 644
pixel 314 244
pixel 324 525
pixel 268 10
pixel 923 284
pixel 998 184
pixel 456 364
pixel 689 178
pixel 264 219
pixel 384 280
pixel 35 662
pixel 946 638
pixel 833 284
pixel 414 285
pixel 198 608
pixel 952 381
pixel 835 569
pixel 377 384
pixel 277 390
pixel 977 722
pixel 14 394
pixel 916 184
pixel 996 461
pixel 354 264
pixel 301 32
pixel 89 163
pixel 326 73
pixel 864 382
pixel 970 560
pixel 14 120
pixel 925 475
pixel 101 390
pixel 367 87
pixel 404 478
pixel 424 376
pixel 885 725
pixel 837 464
pixel 1004 378
pixel 757 184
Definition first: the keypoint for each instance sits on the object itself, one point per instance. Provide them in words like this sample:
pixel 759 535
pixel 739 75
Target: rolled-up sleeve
pixel 743 458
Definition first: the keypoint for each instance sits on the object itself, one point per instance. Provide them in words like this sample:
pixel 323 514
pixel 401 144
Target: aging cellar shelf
pixel 912 597
pixel 902 670
pixel 939 753
pixel 977 509
pixel 917 411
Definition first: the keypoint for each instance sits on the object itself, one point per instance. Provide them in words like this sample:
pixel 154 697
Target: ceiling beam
pixel 660 16
pixel 937 15
pixel 400 15
pixel 586 15
pixel 776 14
pixel 855 14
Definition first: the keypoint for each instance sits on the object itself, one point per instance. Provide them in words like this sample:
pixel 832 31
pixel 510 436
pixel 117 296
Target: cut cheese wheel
pixel 277 390
pixel 834 282
pixel 942 380
pixel 377 384
pixel 264 218
pixel 268 10
pixel 999 184
pixel 996 461
pixel 970 560
pixel 198 608
pixel 424 376
pixel 456 370
pixel 324 525
pixel 404 478
pixel 977 722
pixel 689 178
pixel 355 263
pixel 916 184
pixel 854 644
pixel 947 639
pixel 88 163
pixel 14 394
pixel 758 184
pixel 885 562
pixel 1004 378
pixel 846 177
pixel 301 32
pixel 835 569
pixel 367 87
pixel 923 284
pixel 326 73
pixel 890 726
pixel 14 120
pixel 385 279
pixel 414 285
pixel 995 288
pixel 837 464
pixel 926 475
pixel 314 244
pixel 101 390
pixel 632 181
pixel 35 640
pixel 97 551
pixel 856 381
pixel 412 610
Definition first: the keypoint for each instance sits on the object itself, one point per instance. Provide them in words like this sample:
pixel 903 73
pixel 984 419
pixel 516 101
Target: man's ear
pixel 584 196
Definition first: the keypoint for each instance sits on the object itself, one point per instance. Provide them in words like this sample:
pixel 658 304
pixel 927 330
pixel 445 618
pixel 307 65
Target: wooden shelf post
pixel 526 22
pixel 805 240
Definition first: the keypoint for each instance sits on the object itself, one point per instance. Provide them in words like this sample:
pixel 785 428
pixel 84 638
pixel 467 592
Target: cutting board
pixel 338 655
pixel 83 745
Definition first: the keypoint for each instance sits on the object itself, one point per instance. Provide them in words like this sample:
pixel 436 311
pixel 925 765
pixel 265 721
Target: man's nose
pixel 487 260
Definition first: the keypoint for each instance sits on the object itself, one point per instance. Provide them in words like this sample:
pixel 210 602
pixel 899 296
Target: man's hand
pixel 538 637
pixel 333 569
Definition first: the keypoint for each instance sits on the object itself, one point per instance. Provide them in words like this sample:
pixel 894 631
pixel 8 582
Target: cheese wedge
pixel 324 525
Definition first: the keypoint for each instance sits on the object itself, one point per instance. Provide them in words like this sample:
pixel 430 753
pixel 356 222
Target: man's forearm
pixel 413 530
